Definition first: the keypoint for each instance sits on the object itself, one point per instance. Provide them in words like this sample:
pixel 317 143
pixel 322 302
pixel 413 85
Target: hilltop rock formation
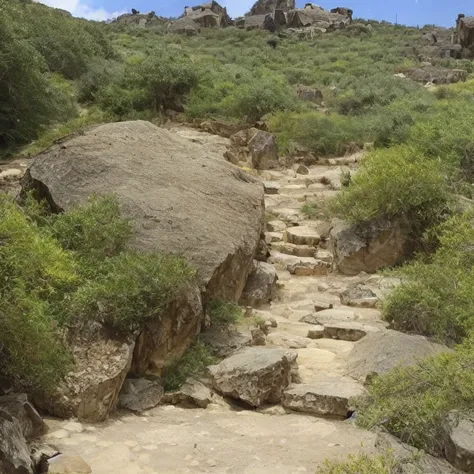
pixel 209 14
pixel 263 7
pixel 315 16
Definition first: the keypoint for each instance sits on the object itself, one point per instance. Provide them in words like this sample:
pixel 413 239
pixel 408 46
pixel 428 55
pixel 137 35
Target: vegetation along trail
pixel 235 245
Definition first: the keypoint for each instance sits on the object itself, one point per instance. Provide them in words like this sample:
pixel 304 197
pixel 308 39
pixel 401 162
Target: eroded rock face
pixel 458 430
pixel 90 391
pixel 18 406
pixel 379 352
pixel 261 285
pixel 181 197
pixel 14 452
pixel 168 336
pixel 367 247
pixel 255 375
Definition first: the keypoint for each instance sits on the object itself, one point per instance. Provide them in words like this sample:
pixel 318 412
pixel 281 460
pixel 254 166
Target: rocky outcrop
pixel 367 247
pixel 184 26
pixel 256 375
pixel 325 398
pixel 315 16
pixel 261 285
pixel 180 197
pixel 309 94
pixel 168 336
pixel 209 14
pixel 262 7
pixel 458 432
pixel 436 75
pixel 14 452
pixel 90 391
pixel 18 406
pixel 140 394
pixel 379 352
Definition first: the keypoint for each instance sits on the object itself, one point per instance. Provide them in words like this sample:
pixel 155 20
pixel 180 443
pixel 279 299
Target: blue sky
pixel 410 12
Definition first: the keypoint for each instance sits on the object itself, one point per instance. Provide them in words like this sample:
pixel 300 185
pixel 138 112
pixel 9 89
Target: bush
pixel 437 298
pixel 224 313
pixel 95 231
pixel 193 363
pixel 169 77
pixel 412 402
pixel 133 288
pixel 361 464
pixel 395 182
pixel 28 101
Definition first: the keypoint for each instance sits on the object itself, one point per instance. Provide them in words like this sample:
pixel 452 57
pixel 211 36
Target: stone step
pixel 282 260
pixel 302 235
pixel 316 268
pixel 325 398
pixel 296 250
pixel 271 237
pixel 276 226
pixel 345 313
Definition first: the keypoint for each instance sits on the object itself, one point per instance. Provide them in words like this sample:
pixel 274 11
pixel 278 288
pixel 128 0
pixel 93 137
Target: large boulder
pixel 369 246
pixel 379 352
pixel 14 452
pixel 458 433
pixel 261 286
pixel 181 197
pixel 214 7
pixel 256 375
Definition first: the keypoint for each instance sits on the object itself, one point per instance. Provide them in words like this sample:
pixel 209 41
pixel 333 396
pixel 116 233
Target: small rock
pixel 271 322
pixel 359 297
pixel 261 285
pixel 276 226
pixel 316 332
pixel 68 464
pixel 258 337
pixel 274 410
pixel 350 331
pixel 302 169
pixel 458 429
pixel 140 394
pixel 271 187
pixel 310 319
pixel 317 267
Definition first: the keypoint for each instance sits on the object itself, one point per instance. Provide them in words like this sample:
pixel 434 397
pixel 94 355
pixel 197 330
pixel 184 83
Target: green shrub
pixel 28 101
pixel 169 77
pixel 133 288
pixel 412 402
pixel 437 298
pixel 223 313
pixel 193 363
pixel 361 464
pixel 395 182
pixel 95 231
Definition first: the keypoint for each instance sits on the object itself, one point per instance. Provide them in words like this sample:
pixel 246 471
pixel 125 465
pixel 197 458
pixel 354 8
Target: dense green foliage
pixel 222 313
pixel 436 297
pixel 59 271
pixel 193 363
pixel 412 402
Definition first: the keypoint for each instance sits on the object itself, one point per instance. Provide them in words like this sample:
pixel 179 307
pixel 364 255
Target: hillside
pixel 299 181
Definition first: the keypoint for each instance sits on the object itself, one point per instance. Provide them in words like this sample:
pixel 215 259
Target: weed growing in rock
pixel 223 313
pixel 193 363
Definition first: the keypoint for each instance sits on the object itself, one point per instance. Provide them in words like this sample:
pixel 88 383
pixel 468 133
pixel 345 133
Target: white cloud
pixel 82 9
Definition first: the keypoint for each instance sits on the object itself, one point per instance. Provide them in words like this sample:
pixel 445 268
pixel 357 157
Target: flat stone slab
pixel 302 235
pixel 291 341
pixel 346 331
pixel 325 398
pixel 296 250
pixel 314 268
